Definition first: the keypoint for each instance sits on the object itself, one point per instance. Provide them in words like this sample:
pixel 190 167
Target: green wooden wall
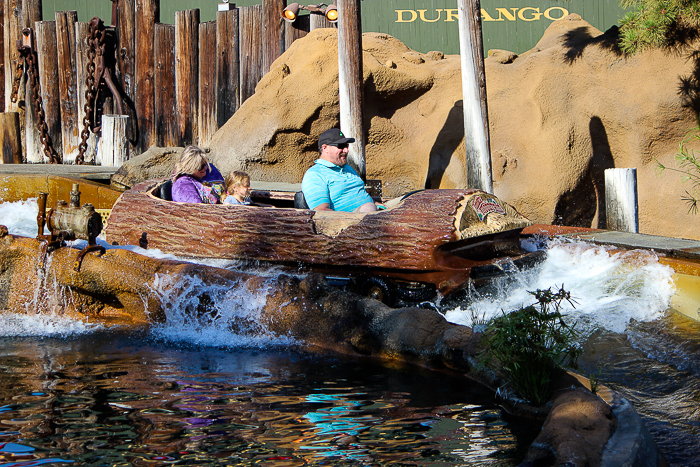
pixel 423 25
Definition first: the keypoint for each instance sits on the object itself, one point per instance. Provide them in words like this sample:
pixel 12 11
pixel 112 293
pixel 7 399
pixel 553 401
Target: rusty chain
pixel 97 41
pixel 16 81
pixel 29 55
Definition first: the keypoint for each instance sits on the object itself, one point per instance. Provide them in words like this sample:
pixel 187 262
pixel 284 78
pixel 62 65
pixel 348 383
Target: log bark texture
pixel 47 61
pixel 114 145
pixel 126 58
pixel 228 74
pixel 295 30
pixel 165 123
pixel 187 75
pixel 207 82
pixel 350 81
pixel 67 83
pixel 12 32
pixel 409 241
pixel 250 30
pixel 146 17
pixel 273 32
pixel 82 39
pixel 10 140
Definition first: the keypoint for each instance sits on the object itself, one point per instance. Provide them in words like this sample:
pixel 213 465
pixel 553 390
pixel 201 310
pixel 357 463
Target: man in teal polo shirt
pixel 331 184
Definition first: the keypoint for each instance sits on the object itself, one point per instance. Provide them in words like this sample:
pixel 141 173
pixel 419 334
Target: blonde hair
pixel 191 160
pixel 236 178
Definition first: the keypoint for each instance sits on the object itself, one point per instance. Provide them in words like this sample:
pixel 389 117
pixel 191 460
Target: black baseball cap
pixel 333 137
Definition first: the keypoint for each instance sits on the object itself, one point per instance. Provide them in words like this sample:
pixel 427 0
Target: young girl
pixel 238 188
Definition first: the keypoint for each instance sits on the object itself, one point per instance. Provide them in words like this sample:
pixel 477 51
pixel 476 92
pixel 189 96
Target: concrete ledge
pixel 631 445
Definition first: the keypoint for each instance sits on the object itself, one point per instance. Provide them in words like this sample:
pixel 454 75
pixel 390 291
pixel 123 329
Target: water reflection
pixel 122 399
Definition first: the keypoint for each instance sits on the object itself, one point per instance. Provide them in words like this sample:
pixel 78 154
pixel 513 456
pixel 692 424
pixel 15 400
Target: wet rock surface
pixel 120 287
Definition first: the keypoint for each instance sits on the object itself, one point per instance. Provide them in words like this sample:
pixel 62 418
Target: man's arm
pixel 323 207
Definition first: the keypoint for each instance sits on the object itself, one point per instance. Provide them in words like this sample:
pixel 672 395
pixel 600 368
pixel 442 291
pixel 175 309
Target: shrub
pixel 530 344
pixel 689 166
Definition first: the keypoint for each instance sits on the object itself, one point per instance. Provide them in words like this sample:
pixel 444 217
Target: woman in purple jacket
pixel 195 179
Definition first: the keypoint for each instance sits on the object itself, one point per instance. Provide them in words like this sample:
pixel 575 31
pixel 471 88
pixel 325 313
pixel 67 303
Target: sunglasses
pixel 342 146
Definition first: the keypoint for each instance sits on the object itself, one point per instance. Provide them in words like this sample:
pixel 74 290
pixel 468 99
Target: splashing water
pixel 229 318
pixel 226 315
pixel 609 288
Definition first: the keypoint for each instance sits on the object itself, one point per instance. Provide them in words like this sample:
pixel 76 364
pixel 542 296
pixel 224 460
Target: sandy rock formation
pixel 559 114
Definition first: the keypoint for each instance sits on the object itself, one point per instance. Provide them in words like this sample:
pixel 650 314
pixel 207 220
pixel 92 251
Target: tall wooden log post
pixel 317 21
pixel 228 75
pixel 207 82
pixel 2 62
pixel 12 32
pixel 126 62
pixel 476 123
pixel 186 75
pixel 10 143
pixel 350 81
pixel 273 32
pixel 82 46
pixel 250 38
pixel 47 61
pixel 147 14
pixel 165 124
pixel 621 203
pixel 296 30
pixel 31 13
pixel 67 83
pixel 114 145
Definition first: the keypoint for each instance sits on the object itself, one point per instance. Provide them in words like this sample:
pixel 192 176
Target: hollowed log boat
pixel 426 242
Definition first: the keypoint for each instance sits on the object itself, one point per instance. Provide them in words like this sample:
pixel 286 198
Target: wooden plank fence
pixel 177 83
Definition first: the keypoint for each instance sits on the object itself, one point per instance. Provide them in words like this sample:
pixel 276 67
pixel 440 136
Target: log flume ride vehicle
pixel 426 242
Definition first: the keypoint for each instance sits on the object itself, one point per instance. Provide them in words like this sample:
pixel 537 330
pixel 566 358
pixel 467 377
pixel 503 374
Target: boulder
pixel 560 114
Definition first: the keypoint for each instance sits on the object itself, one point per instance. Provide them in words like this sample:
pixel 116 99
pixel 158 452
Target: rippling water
pixel 111 398
pixel 193 393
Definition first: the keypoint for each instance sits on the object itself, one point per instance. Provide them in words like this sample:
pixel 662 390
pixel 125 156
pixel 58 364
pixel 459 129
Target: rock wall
pixel 560 114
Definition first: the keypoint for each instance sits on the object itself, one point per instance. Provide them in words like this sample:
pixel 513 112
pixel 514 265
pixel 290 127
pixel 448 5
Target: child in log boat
pixel 196 180
pixel 238 188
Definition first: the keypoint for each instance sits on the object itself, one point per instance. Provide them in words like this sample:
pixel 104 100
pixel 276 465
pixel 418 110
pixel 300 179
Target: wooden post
pixel 126 61
pixel 186 75
pixel 33 150
pixel 31 13
pixel 250 37
pixel 273 32
pixel 2 61
pixel 317 21
pixel 82 46
pixel 207 82
pixel 147 14
pixel 350 81
pixel 114 144
pixel 10 142
pixel 13 31
pixel 166 125
pixel 47 62
pixel 228 79
pixel 476 123
pixel 621 205
pixel 67 85
pixel 296 30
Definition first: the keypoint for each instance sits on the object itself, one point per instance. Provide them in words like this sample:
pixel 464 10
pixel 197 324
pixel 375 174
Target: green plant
pixel 689 166
pixel 657 23
pixel 530 344
pixel 594 380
